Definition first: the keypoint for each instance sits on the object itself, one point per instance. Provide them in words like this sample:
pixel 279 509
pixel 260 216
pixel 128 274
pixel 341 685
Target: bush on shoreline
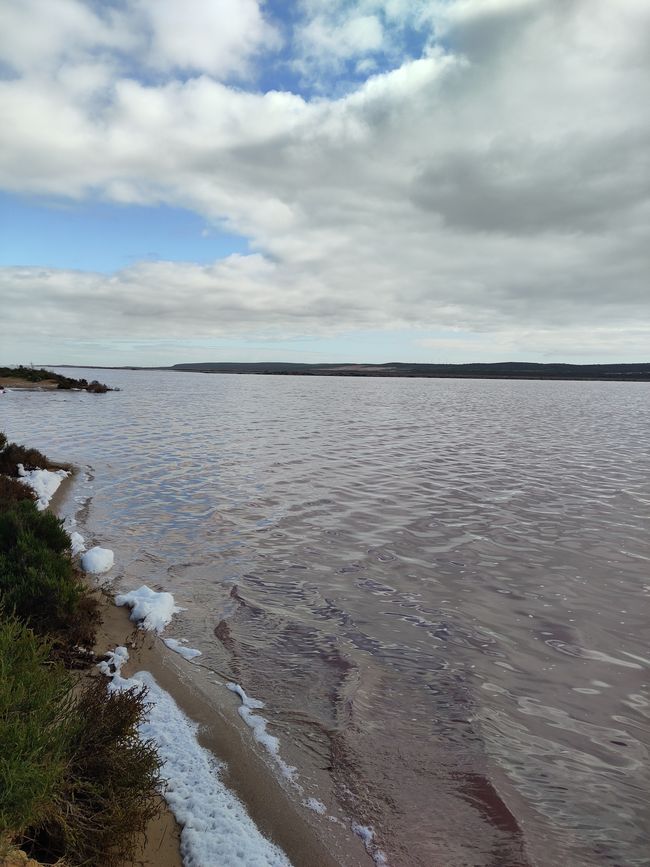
pixel 111 788
pixel 12 454
pixel 35 701
pixel 39 583
pixel 77 785
pixel 12 491
pixel 77 782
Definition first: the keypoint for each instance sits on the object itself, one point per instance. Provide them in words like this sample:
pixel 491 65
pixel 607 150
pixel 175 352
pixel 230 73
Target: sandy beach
pixel 14 382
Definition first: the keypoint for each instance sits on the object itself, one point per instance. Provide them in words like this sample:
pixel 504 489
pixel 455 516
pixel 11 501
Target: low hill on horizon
pixel 498 370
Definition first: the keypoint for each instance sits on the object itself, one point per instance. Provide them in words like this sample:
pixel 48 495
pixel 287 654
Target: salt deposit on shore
pixel 115 659
pixel 181 647
pixel 97 560
pixel 151 610
pixel 216 828
pixel 44 483
pixel 258 724
pixel 78 543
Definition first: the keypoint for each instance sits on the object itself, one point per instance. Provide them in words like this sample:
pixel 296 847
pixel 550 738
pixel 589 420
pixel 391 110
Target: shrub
pixel 12 492
pixel 12 455
pixel 35 702
pixel 76 782
pixel 112 785
pixel 39 583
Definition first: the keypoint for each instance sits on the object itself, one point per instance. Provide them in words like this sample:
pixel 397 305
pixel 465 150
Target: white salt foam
pixel 315 805
pixel 150 610
pixel 44 483
pixel 97 560
pixel 116 659
pixel 216 829
pixel 368 836
pixel 179 647
pixel 258 725
pixel 77 543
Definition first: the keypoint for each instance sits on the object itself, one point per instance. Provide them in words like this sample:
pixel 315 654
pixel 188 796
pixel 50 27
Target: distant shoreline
pixel 504 370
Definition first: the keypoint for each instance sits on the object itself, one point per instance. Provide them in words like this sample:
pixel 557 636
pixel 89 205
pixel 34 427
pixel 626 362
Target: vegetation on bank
pixel 77 785
pixel 38 374
pixel 12 454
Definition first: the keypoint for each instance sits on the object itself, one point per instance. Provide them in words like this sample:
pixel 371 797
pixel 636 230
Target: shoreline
pixel 11 383
pixel 274 805
pixel 161 844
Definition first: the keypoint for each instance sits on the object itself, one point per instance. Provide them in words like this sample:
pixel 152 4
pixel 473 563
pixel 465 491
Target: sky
pixel 324 180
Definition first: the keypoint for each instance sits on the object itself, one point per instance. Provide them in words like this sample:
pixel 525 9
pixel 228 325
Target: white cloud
pixel 215 36
pixel 326 41
pixel 219 37
pixel 498 183
pixel 39 35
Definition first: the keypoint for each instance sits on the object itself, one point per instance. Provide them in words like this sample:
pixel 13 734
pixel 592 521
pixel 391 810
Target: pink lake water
pixel 439 588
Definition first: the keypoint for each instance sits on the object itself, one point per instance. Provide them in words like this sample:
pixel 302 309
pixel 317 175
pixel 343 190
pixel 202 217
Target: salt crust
pixel 216 829
pixel 149 609
pixel 44 483
pixel 97 560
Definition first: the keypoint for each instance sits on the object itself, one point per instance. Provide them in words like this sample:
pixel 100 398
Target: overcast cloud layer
pixel 497 181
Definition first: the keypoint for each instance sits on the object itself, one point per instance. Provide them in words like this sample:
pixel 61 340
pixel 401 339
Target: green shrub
pixel 35 702
pixel 39 583
pixel 12 491
pixel 112 783
pixel 13 454
pixel 76 782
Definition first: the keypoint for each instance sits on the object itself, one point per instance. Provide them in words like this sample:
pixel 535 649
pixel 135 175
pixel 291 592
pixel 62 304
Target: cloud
pixel 498 182
pixel 327 41
pixel 219 37
pixel 39 36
